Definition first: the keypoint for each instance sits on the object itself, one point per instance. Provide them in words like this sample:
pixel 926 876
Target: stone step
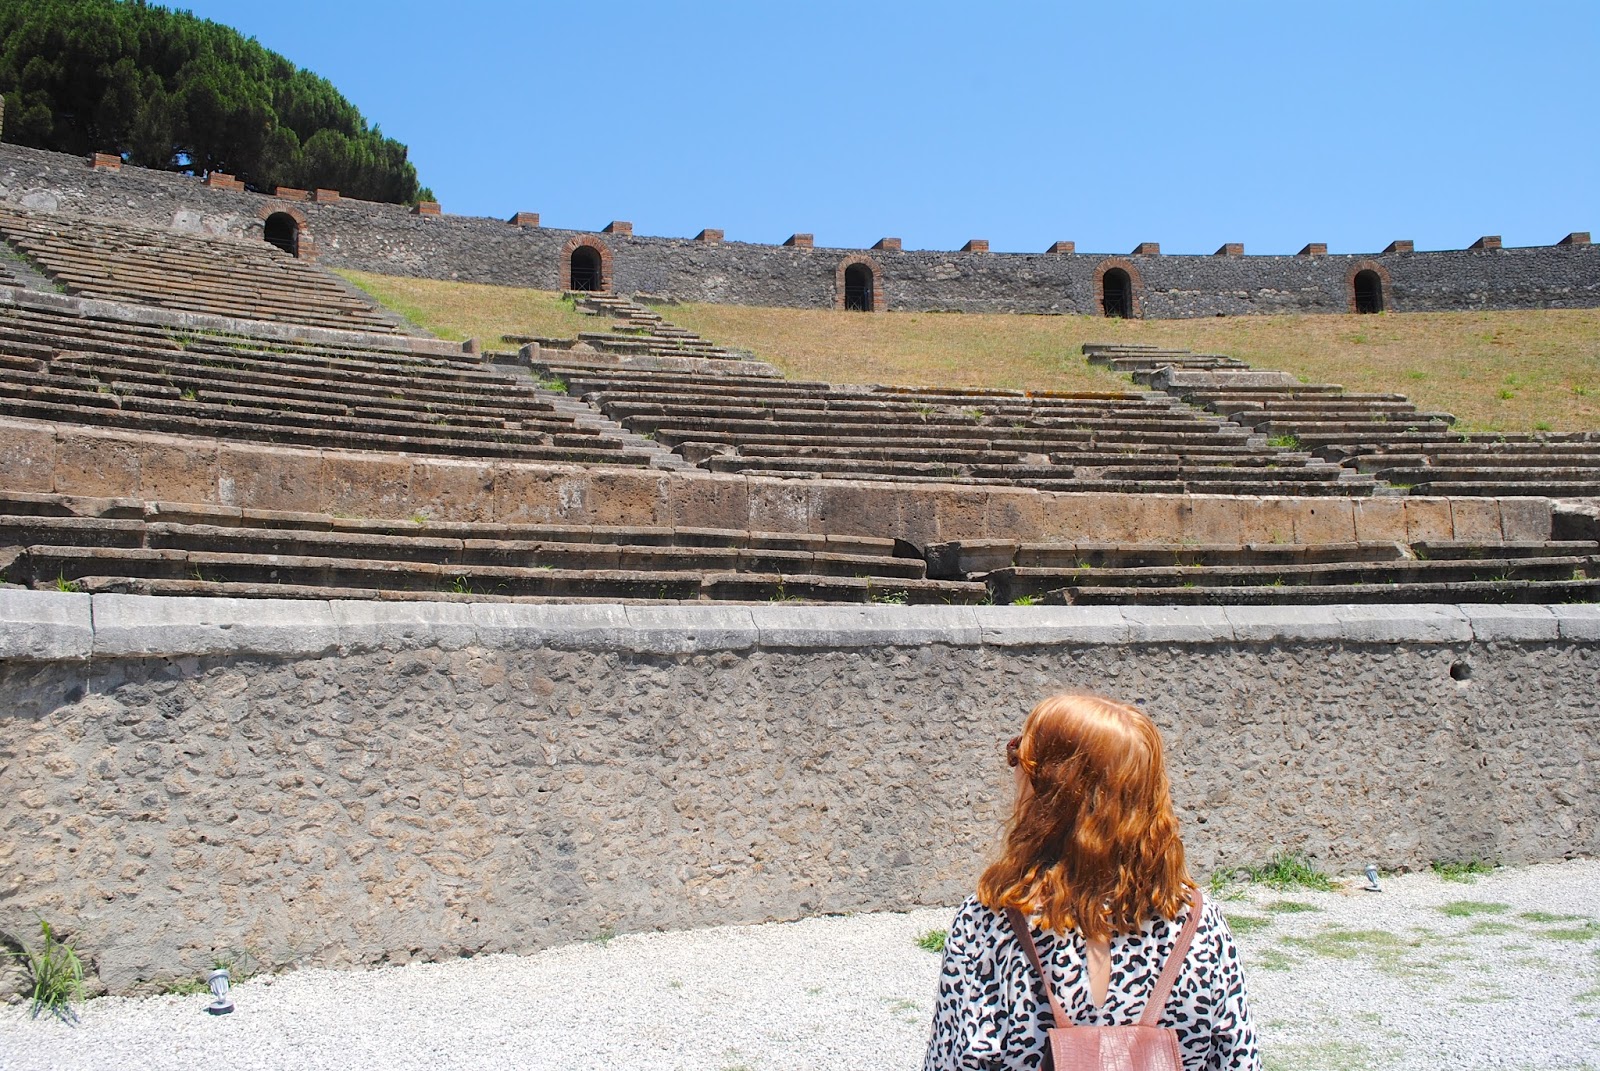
pixel 1513 591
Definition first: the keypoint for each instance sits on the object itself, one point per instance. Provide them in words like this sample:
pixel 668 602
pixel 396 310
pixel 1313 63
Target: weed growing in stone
pixel 1289 870
pixel 1464 871
pixel 933 940
pixel 1290 907
pixel 1025 600
pixel 1246 924
pixel 1285 442
pixel 1547 916
pixel 55 974
pixel 61 583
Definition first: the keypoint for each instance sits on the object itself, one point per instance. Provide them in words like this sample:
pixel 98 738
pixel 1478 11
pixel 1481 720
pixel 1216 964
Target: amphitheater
pixel 332 642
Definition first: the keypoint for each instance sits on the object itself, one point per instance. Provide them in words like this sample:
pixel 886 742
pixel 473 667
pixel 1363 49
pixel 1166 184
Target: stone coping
pixel 40 626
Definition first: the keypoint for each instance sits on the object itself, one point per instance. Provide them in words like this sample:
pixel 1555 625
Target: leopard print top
pixel 992 1015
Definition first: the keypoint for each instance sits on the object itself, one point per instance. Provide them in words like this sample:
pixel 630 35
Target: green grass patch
pixel 1461 909
pixel 1290 907
pixel 1549 916
pixel 1588 932
pixel 933 940
pixel 1463 871
pixel 1492 926
pixel 1289 870
pixel 1243 925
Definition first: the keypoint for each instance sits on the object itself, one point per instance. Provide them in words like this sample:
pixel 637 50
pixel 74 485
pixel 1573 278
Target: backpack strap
pixel 1169 974
pixel 1024 932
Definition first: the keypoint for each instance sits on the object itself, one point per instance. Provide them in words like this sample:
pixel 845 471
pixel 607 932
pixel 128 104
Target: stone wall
pixel 392 240
pixel 358 783
pixel 72 459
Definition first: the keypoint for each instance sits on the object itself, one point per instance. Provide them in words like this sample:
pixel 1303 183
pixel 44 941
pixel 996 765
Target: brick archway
pixel 600 248
pixel 878 301
pixel 305 245
pixel 1135 286
pixel 1385 292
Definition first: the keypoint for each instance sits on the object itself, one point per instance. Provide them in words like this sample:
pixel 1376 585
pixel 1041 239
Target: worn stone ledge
pixel 51 627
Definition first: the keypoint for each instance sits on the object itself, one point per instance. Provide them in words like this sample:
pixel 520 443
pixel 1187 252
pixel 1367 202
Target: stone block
pixel 619 227
pixel 178 470
pixel 426 208
pixel 1272 520
pixel 1314 249
pixel 848 507
pixel 1428 519
pixel 1475 520
pixel 138 626
pixel 691 629
pixel 708 501
pixel 1578 622
pixel 1496 621
pixel 105 161
pixel 890 244
pixel 1324 520
pixel 289 193
pixel 976 245
pixel 45 626
pixel 799 241
pixel 533 494
pixel 1526 518
pixel 1230 249
pixel 1177 624
pixel 1576 238
pixel 395 626
pixel 864 626
pixel 443 489
pixel 325 197
pixel 629 496
pixel 1383 623
pixel 1135 519
pixel 97 464
pixel 1281 624
pixel 1147 249
pixel 30 454
pixel 1380 519
pixel 523 626
pixel 709 236
pixel 524 219
pixel 269 477
pixel 1062 247
pixel 959 512
pixel 781 505
pixel 1029 626
pixel 1400 245
pixel 1212 518
pixel 1488 241
pixel 366 485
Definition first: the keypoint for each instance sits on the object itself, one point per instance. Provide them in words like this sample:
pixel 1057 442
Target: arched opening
pixel 283 231
pixel 858 288
pixel 587 273
pixel 1369 291
pixel 1116 292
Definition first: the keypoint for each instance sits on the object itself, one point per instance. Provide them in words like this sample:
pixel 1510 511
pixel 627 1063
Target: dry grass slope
pixel 1497 371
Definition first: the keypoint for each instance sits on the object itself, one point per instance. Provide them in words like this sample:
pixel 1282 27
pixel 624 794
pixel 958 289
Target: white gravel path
pixel 1360 980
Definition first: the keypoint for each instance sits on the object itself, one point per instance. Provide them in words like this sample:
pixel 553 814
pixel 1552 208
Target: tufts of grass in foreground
pixel 1465 872
pixel 933 940
pixel 55 974
pixel 1289 870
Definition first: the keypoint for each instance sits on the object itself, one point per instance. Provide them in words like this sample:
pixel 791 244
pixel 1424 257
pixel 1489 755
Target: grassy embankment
pixel 1497 371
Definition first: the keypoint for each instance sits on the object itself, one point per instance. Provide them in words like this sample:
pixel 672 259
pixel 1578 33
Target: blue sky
pixel 1273 124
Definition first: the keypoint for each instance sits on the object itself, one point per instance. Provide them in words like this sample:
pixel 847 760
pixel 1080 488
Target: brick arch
pixel 1135 286
pixel 565 266
pixel 1383 277
pixel 305 245
pixel 880 297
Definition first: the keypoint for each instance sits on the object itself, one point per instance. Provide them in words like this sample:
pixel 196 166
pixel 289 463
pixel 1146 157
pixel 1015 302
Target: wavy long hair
pixel 1093 843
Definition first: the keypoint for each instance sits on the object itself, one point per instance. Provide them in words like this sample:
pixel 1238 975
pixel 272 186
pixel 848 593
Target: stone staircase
pixel 640 332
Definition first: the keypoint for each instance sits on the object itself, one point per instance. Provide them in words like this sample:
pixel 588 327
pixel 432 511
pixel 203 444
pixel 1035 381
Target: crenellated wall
pixel 394 240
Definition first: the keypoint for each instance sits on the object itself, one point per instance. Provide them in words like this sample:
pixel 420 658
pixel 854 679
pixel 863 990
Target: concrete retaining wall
pixel 353 783
pixel 391 240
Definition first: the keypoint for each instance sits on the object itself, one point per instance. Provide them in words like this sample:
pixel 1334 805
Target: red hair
pixel 1093 843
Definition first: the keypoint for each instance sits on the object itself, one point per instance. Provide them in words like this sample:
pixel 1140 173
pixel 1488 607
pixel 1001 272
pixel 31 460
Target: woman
pixel 1092 858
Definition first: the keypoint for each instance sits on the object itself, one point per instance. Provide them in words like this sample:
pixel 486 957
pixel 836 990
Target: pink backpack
pixel 1144 1046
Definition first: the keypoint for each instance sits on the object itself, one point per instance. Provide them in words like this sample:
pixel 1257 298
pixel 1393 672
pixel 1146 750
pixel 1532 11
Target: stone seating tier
pixel 179 270
pixel 64 368
pixel 1184 574
pixel 113 545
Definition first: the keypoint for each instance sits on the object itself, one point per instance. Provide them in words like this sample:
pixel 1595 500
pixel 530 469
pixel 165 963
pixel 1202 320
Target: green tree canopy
pixel 165 89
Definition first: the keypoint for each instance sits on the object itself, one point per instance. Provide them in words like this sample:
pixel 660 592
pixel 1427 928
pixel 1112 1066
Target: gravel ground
pixel 1502 971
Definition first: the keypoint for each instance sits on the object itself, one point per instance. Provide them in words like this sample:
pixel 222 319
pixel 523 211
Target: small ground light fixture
pixel 1372 879
pixel 218 981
